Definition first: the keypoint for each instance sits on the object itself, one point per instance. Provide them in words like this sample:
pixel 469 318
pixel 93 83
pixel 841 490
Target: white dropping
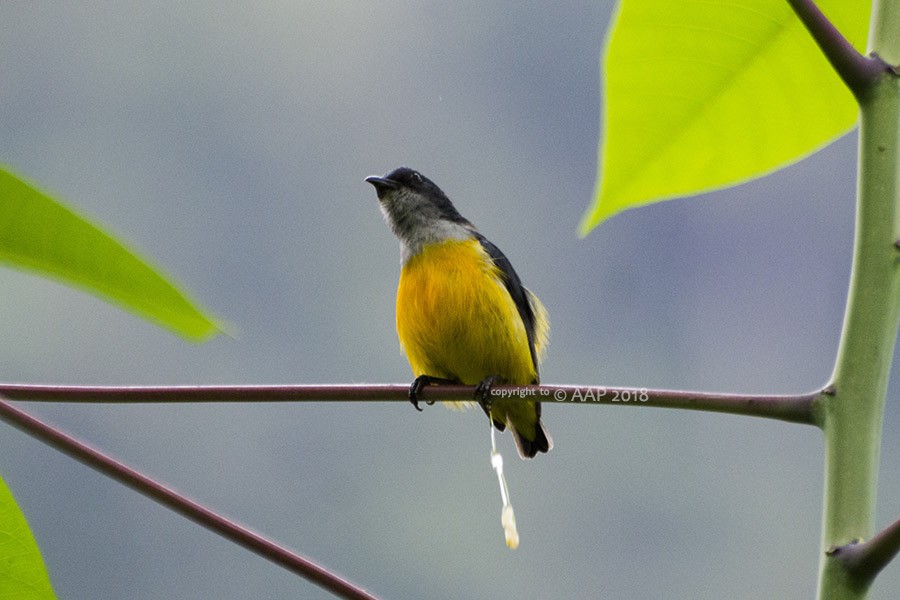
pixel 507 518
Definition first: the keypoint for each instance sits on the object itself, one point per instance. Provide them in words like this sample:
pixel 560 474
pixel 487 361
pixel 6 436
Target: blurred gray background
pixel 229 142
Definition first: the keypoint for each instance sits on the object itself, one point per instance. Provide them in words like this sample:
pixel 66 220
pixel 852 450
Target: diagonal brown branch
pixel 172 500
pixel 866 559
pixel 857 71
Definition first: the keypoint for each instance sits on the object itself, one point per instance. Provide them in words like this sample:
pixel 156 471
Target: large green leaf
pixel 40 234
pixel 703 94
pixel 22 572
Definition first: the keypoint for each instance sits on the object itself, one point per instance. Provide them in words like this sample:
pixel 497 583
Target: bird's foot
pixel 419 384
pixel 483 393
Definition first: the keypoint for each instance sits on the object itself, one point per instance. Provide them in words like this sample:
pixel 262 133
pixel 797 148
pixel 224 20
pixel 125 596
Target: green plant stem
pixel 180 504
pixel 885 30
pixel 801 408
pixel 853 415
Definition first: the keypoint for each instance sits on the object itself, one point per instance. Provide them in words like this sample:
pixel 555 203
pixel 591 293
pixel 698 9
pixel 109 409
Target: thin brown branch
pixel 793 408
pixel 174 501
pixel 802 408
pixel 864 560
pixel 857 71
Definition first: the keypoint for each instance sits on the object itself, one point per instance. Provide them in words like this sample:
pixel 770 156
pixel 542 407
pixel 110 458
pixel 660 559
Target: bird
pixel 462 314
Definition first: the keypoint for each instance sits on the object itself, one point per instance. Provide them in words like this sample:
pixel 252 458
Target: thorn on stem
pixel 836 550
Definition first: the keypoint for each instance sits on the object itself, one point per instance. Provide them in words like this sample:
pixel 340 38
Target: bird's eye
pixel 417 178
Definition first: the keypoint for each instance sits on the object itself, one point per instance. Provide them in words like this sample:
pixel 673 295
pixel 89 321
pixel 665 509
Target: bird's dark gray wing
pixel 516 290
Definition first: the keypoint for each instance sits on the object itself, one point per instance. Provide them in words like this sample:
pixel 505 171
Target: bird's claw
pixel 483 393
pixel 418 385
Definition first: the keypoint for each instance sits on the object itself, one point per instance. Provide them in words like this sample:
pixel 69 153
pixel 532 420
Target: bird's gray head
pixel 418 211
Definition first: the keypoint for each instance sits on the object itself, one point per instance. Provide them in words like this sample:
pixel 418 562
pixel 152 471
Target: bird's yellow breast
pixel 456 320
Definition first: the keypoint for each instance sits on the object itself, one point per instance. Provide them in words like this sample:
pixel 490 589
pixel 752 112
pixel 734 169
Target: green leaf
pixel 40 234
pixel 22 571
pixel 704 94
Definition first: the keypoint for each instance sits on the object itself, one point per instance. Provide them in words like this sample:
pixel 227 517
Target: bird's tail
pixel 540 442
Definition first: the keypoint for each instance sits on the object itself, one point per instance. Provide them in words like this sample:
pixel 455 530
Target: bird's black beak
pixel 382 185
